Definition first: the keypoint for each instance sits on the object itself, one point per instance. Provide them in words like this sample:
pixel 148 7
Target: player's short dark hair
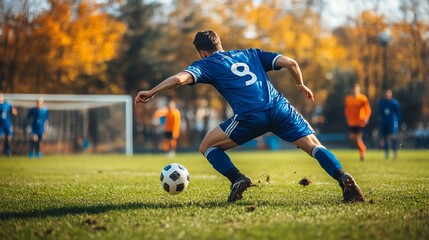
pixel 207 41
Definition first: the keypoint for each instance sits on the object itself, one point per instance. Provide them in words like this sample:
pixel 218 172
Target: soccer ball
pixel 174 178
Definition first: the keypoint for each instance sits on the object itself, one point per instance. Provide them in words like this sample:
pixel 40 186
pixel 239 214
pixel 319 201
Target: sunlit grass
pixel 119 197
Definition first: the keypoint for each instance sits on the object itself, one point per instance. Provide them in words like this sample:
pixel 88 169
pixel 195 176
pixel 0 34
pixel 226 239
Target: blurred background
pixel 118 47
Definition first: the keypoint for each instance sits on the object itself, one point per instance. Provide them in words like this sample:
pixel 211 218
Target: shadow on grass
pixel 96 209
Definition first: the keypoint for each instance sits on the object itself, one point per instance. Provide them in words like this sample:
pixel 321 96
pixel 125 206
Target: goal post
pixel 77 123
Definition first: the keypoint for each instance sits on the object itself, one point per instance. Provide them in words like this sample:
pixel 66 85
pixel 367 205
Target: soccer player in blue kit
pixel 240 77
pixel 38 116
pixel 6 113
pixel 389 112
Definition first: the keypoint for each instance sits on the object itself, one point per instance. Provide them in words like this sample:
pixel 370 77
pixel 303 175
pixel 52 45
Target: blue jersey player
pixel 38 118
pixel 6 113
pixel 240 77
pixel 389 112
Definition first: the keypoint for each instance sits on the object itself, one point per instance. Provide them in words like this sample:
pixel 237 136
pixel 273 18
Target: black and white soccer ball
pixel 174 178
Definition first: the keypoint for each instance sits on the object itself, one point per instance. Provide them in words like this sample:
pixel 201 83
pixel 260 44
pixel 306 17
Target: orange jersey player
pixel 171 133
pixel 357 112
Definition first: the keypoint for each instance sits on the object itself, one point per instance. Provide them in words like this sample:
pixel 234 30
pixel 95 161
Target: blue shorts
pixel 282 120
pixel 38 132
pixel 6 130
pixel 389 129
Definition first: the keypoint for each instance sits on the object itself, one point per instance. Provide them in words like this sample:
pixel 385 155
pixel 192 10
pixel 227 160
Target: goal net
pixel 77 123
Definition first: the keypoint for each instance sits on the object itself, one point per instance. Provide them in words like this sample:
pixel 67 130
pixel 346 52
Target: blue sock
pixel 7 146
pixel 327 160
pixel 386 146
pixel 219 160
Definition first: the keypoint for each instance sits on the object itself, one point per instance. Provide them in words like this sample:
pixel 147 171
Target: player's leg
pixel 213 147
pixel 227 135
pixel 386 140
pixel 355 135
pixel 352 136
pixel 166 141
pixel 7 129
pixel 291 127
pixel 394 139
pixel 37 143
pixel 395 144
pixel 3 137
pixel 33 140
pixel 2 142
pixel 7 145
pixel 311 145
pixel 172 147
pixel 361 144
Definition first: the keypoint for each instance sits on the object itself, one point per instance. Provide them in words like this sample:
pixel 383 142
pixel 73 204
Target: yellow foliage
pixel 77 45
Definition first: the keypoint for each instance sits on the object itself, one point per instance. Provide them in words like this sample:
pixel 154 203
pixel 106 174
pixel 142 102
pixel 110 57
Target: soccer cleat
pixel 31 155
pixel 238 187
pixel 351 191
pixel 39 154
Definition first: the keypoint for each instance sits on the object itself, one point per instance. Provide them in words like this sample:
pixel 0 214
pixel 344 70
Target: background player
pixel 6 113
pixel 357 111
pixel 171 121
pixel 38 117
pixel 240 77
pixel 389 112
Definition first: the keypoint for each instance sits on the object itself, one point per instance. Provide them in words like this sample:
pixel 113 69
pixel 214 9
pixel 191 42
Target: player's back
pixel 240 76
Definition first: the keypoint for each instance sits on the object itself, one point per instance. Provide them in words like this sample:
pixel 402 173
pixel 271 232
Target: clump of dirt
pixel 94 225
pixel 305 181
pixel 265 177
pixel 251 208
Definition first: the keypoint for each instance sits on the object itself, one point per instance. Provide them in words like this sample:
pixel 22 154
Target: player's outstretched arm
pixel 180 79
pixel 295 70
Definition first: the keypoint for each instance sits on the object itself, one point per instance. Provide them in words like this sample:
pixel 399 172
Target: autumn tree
pixel 409 61
pixel 63 49
pixel 14 39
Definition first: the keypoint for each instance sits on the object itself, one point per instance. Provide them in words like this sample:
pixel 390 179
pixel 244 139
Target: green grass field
pixel 119 197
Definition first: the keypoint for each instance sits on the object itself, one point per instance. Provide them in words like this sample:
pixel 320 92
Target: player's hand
pixel 143 97
pixel 308 93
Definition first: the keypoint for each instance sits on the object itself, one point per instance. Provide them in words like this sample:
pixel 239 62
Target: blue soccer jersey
pixel 38 117
pixel 389 112
pixel 5 113
pixel 5 118
pixel 238 75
